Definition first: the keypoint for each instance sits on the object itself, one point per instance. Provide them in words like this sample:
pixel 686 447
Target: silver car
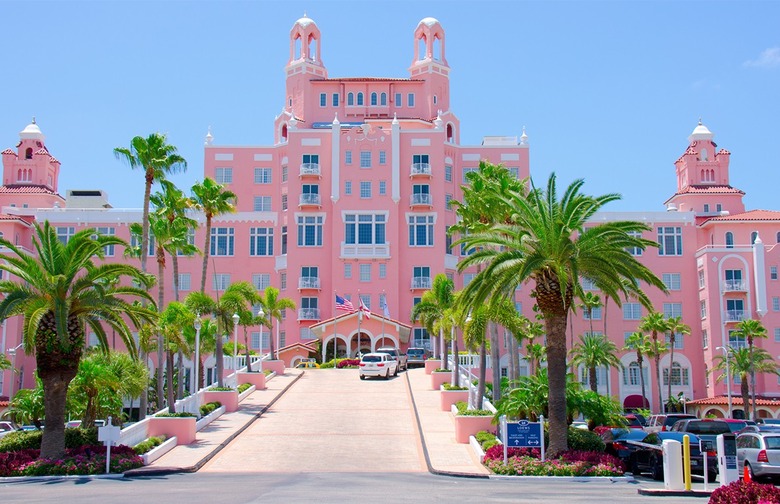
pixel 760 453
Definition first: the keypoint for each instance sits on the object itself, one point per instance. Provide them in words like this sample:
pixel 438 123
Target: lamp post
pixel 12 353
pixel 260 314
pixel 726 350
pixel 196 388
pixel 235 340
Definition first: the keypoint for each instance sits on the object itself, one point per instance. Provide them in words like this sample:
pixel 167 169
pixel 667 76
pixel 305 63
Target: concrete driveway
pixel 330 421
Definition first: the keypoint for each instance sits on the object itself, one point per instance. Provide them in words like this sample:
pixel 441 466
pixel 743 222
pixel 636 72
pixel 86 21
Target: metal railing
pixel 421 282
pixel 421 199
pixel 310 169
pixel 421 169
pixel 309 199
pixel 309 282
pixel 735 285
pixel 308 314
pixel 735 315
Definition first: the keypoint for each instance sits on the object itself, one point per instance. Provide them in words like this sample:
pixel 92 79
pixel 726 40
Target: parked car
pixel 616 441
pixel 769 421
pixel 707 428
pixel 377 364
pixel 307 364
pixel 633 421
pixel 734 424
pixel 416 356
pixel 760 453
pixel 662 423
pixel 6 428
pixel 647 457
pixel 403 363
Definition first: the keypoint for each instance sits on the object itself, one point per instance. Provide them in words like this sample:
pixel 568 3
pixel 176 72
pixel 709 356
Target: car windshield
pixel 372 358
pixel 708 427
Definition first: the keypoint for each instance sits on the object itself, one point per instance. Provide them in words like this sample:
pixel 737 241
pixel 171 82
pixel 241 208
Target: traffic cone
pixel 746 474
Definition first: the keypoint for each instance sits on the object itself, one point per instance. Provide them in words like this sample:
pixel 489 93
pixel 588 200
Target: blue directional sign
pixel 523 434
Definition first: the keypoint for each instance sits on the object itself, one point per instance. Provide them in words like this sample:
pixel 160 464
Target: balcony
pixel 365 251
pixel 309 314
pixel 735 315
pixel 735 286
pixel 421 199
pixel 421 283
pixel 309 199
pixel 309 282
pixel 310 170
pixel 423 169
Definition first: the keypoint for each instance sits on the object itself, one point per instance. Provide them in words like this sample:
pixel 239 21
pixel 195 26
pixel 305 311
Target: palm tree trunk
pixel 145 219
pixel 55 391
pixel 513 363
pixel 160 339
pixel 444 356
pixel 482 373
pixel 752 381
pixel 593 378
pixel 456 359
pixel 206 250
pixel 640 361
pixel 143 401
pixel 180 356
pixel 745 395
pixel 169 377
pixel 555 324
pixel 495 358
pixel 218 353
pixel 246 349
pixel 671 366
pixel 657 359
pixel 272 345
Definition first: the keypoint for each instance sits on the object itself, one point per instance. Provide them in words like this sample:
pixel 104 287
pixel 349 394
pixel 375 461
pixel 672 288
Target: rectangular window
pixel 261 281
pixel 135 241
pixel 284 240
pixel 448 173
pixel 284 174
pixel 706 208
pixel 671 281
pixel 262 204
pixel 255 343
pixel 283 280
pixel 421 277
pixel 222 240
pixel 107 231
pixel 261 241
pixel 191 242
pixel 310 159
pixel 632 311
pixel 705 339
pixel 466 171
pixel 382 157
pixel 223 175
pixel 220 281
pixel 701 279
pixel 335 100
pixel 347 271
pixel 383 270
pixel 421 194
pixel 777 334
pixel 365 272
pixel 776 304
pixel 410 100
pixel 284 202
pixel 703 308
pixel 398 100
pixel 735 310
pixel 467 278
pixel 348 187
pixel 307 334
pixel 734 280
pixel 382 188
pixel 323 100
pixel 420 230
pixel 65 233
pixel 348 157
pixel 447 240
pixel 594 314
pixel 773 272
pixel 670 241
pixel 282 339
pixel 587 284
pixel 672 310
pixel 364 229
pixel 365 189
pixel 184 282
pixel 262 175
pixel 310 230
pixel 447 201
pixel 365 159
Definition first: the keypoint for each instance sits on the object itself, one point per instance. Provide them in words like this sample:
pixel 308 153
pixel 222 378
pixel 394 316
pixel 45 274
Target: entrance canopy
pixel 356 333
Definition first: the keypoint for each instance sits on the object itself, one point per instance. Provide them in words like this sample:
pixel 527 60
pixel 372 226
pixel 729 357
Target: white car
pixel 6 428
pixel 378 364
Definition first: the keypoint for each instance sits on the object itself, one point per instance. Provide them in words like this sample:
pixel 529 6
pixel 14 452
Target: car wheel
pixel 387 374
pixel 658 471
pixel 712 477
pixel 396 371
pixel 362 377
pixel 632 463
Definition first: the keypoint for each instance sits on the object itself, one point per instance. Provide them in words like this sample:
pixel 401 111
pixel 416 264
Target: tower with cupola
pixel 304 64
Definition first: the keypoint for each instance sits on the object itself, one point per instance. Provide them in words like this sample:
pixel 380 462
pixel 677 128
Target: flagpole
pixel 360 317
pixel 384 309
pixel 335 332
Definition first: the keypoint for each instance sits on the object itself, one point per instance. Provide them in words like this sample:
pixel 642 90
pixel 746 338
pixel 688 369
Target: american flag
pixel 344 304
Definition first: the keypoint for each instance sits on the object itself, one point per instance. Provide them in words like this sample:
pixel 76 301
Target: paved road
pixel 330 421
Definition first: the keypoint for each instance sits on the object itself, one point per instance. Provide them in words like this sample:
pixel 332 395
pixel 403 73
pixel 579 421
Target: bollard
pixel 687 462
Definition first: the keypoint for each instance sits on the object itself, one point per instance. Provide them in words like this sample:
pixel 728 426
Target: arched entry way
pixel 375 331
pixel 362 343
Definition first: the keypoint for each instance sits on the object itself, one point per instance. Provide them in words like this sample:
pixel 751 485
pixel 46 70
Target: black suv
pixel 403 362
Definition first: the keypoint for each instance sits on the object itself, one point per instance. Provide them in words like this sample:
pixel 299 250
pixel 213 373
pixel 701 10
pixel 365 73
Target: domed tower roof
pixel 429 21
pixel 700 132
pixel 304 21
pixel 31 132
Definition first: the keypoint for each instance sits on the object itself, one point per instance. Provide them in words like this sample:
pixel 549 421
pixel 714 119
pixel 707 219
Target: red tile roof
pixel 711 189
pixel 735 401
pixel 25 189
pixel 372 79
pixel 752 215
pixel 9 151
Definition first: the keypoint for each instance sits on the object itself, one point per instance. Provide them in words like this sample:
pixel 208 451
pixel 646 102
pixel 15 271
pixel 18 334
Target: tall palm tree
pixel 273 306
pixel 432 307
pixel 654 323
pixel 173 320
pixel 590 302
pixel 157 158
pixel 536 353
pixel 451 318
pixel 675 326
pixel 749 330
pixel 213 200
pixel 593 351
pixel 742 362
pixel 59 293
pixel 637 342
pixel 548 243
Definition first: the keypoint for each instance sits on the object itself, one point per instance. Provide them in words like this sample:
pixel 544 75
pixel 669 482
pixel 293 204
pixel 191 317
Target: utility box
pixel 727 458
pixel 673 471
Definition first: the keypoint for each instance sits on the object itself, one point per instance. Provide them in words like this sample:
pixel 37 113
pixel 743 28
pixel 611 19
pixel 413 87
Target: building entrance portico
pixel 351 334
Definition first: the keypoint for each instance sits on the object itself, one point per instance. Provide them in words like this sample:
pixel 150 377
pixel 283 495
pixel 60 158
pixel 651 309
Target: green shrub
pixel 463 410
pixel 483 436
pixel 222 389
pixel 489 444
pixel 23 440
pixel 207 408
pixel 267 372
pixel 243 387
pixel 75 438
pixel 580 440
pixel 148 444
pixel 180 414
pixel 450 386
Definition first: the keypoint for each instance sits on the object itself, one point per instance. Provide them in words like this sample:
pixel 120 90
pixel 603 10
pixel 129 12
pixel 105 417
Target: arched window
pixel 383 99
pixel 297 50
pixel 704 155
pixel 360 99
pixel 284 133
pixel 450 133
pixel 350 99
pixel 28 153
pixel 729 239
pixel 753 237
pixel 631 374
pixel 436 48
pixel 778 237
pixel 373 99
pixel 679 375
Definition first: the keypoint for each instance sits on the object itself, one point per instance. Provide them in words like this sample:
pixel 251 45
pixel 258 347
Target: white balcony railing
pixel 365 251
pixel 310 169
pixel 421 169
pixel 421 282
pixel 308 314
pixel 735 285
pixel 421 199
pixel 309 199
pixel 735 315
pixel 309 282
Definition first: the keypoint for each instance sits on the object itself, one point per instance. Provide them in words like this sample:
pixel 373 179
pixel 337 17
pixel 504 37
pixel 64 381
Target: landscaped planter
pixel 438 378
pixel 159 451
pixel 277 366
pixel 431 365
pixel 450 397
pixel 181 427
pixel 228 398
pixel 256 379
pixel 466 426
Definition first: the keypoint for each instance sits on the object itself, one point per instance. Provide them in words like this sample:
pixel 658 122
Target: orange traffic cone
pixel 746 474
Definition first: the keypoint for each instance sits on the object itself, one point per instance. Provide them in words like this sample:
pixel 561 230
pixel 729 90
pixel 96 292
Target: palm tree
pixel 213 200
pixel 432 307
pixel 742 362
pixel 27 406
pixel 675 326
pixel 451 318
pixel 593 351
pixel 654 323
pixel 158 159
pixel 637 341
pixel 590 302
pixel 749 330
pixel 273 306
pixel 173 320
pixel 536 353
pixel 4 362
pixel 548 243
pixel 655 349
pixel 59 293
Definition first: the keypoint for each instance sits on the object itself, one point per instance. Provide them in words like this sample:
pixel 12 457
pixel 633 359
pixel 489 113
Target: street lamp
pixel 197 325
pixel 728 375
pixel 235 340
pixel 260 314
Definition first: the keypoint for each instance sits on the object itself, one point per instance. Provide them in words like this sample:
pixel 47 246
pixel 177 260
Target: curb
pixel 674 493
pixel 164 471
pixel 75 477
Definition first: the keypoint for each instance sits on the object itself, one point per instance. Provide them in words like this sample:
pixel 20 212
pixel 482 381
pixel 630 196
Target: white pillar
pixel 395 135
pixel 335 158
pixel 759 275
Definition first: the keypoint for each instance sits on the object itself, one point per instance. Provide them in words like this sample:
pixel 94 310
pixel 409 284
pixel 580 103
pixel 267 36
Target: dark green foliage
pixel 581 440
pixel 463 410
pixel 148 444
pixel 207 408
pixel 23 440
pixel 180 414
pixel 222 389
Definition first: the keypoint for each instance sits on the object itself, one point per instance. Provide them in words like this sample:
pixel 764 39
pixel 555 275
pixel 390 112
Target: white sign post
pixel 109 435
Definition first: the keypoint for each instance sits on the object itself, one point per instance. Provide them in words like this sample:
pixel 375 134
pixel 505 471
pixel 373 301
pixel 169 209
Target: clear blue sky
pixel 608 91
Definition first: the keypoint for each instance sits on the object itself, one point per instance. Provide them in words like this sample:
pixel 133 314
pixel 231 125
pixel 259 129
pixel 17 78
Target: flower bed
pixel 740 492
pixel 527 462
pixel 77 461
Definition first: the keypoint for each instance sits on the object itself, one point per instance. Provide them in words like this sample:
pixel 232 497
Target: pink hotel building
pixel 352 197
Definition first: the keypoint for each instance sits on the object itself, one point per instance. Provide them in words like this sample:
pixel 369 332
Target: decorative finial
pixel 33 120
pixel 304 14
pixel 699 120
pixel 209 137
